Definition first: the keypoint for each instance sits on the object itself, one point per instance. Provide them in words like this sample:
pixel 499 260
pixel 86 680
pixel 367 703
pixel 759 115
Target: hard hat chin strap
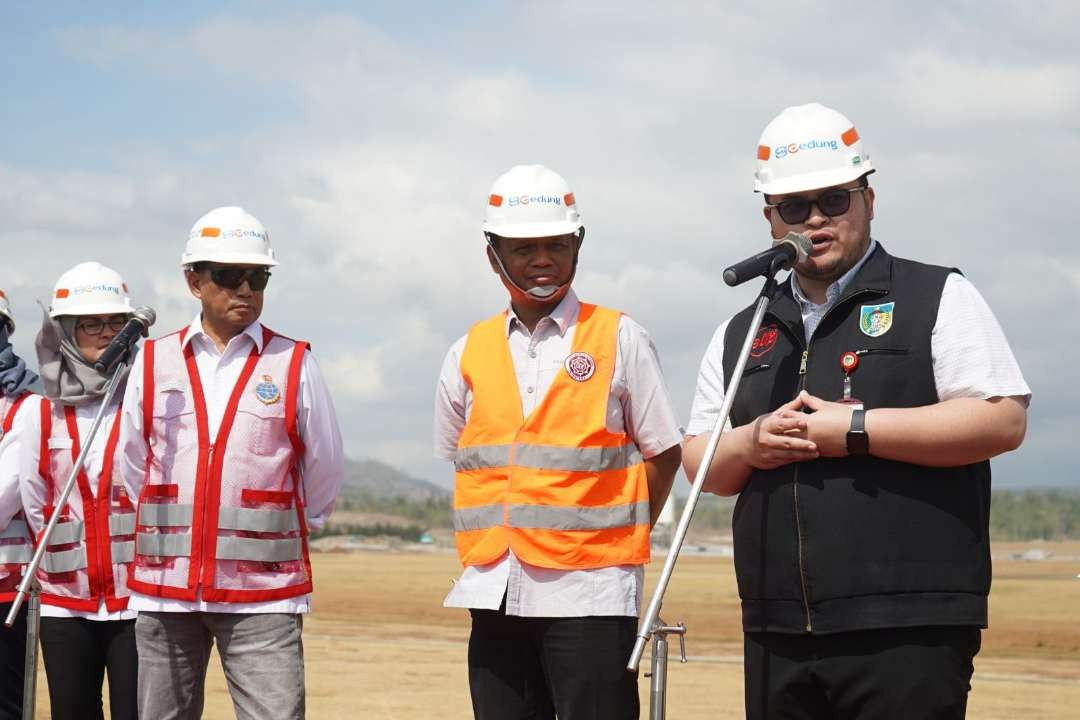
pixel 541 293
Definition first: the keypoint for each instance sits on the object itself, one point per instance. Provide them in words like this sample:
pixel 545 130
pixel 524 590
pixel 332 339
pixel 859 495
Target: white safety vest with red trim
pixel 224 516
pixel 91 548
pixel 16 545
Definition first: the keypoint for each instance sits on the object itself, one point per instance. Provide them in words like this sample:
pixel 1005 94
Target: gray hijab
pixel 65 373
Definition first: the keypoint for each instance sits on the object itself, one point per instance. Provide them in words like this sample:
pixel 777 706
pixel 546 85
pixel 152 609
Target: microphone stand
pixel 651 625
pixel 30 585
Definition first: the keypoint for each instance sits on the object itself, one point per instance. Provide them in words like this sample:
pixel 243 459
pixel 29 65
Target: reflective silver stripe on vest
pixel 64 561
pixel 552 457
pixel 165 516
pixel 123 551
pixel 16 554
pixel 480 457
pixel 238 548
pixel 67 532
pixel 549 517
pixel 122 524
pixel 157 544
pixel 478 518
pixel 15 529
pixel 257 520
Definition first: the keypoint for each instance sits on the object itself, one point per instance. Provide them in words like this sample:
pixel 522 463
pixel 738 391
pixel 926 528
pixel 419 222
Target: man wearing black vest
pixel 876 391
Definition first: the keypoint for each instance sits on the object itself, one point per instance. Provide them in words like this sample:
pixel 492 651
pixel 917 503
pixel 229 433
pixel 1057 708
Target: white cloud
pixel 372 180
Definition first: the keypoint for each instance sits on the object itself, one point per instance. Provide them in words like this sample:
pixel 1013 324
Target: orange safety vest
pixel 558 488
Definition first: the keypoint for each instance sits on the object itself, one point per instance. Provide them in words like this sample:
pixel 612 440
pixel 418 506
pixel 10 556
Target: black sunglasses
pixel 831 203
pixel 231 278
pixel 94 326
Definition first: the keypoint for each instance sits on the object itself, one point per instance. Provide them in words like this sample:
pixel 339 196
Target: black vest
pixel 839 544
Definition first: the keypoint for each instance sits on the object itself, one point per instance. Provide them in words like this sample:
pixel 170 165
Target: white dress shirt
pixel 971 357
pixel 321 467
pixel 20 453
pixel 637 405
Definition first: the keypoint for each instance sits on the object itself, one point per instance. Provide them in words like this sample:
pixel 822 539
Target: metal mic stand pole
pixel 33 614
pixel 651 625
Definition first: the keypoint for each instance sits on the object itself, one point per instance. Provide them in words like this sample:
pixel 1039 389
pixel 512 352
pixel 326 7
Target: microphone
pixel 786 252
pixel 138 326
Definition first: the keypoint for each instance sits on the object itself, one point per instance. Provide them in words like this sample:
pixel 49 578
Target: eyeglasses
pixel 831 203
pixel 231 278
pixel 95 326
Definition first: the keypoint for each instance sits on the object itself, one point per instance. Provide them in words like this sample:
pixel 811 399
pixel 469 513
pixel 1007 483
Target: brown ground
pixel 380 645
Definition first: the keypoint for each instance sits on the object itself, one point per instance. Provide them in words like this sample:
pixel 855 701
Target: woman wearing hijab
pixel 15 543
pixel 86 627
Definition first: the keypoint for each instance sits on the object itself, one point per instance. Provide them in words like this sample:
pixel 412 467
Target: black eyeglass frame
pixel 811 203
pixel 115 323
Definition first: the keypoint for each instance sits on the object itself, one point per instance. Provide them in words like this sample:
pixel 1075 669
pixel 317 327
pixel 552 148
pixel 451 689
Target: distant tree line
pixel 410 533
pixel 1014 514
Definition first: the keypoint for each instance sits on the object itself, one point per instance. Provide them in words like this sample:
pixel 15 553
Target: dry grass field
pixel 379 644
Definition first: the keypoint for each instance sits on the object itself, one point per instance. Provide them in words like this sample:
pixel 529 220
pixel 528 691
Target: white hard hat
pixel 90 288
pixel 5 312
pixel 531 201
pixel 807 147
pixel 231 236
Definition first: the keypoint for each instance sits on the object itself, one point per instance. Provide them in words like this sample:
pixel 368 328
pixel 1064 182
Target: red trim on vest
pixel 292 393
pixel 103 509
pixel 9 419
pixel 213 500
pixel 205 453
pixel 265 496
pixel 43 455
pixel 166 491
pixel 148 393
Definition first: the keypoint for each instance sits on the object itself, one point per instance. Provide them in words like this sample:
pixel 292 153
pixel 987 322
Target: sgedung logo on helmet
pixel 781 151
pixel 243 233
pixel 114 289
pixel 534 200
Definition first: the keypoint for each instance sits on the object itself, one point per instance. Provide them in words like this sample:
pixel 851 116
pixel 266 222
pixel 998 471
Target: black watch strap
pixel 858 442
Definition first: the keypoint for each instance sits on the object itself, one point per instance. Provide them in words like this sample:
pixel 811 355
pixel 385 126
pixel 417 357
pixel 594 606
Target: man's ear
pixel 767 212
pixel 492 260
pixel 194 282
pixel 868 196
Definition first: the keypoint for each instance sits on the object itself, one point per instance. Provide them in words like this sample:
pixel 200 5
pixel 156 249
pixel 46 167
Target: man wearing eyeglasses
pixel 859 445
pixel 232 447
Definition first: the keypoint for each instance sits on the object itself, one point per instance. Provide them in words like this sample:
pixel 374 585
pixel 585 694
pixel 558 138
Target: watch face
pixel 858 442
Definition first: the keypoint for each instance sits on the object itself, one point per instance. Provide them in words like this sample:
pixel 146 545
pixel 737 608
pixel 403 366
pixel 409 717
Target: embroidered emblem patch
pixel 764 341
pixel 875 320
pixel 267 392
pixel 580 366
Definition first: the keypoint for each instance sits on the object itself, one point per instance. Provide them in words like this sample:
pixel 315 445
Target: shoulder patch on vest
pixel 875 320
pixel 267 392
pixel 580 366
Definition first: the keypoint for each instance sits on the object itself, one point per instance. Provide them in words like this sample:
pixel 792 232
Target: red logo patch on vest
pixel 765 340
pixel 580 366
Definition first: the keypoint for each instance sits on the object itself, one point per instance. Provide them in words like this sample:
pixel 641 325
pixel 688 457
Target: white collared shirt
pixel 321 466
pixel 971 357
pixel 637 405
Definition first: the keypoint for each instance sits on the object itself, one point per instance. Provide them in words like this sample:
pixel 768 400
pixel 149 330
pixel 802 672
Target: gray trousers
pixel 262 655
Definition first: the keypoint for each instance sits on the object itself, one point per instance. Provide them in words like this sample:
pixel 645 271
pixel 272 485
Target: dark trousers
pixel 537 668
pixel 77 652
pixel 890 674
pixel 12 662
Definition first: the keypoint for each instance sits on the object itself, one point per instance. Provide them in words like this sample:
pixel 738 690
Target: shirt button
pixel 532 353
pixel 529 389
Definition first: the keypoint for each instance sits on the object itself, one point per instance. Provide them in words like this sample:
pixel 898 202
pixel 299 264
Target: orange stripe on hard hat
pixel 763 152
pixel 568 198
pixel 495 200
pixel 850 136
pixel 211 232
pixel 62 293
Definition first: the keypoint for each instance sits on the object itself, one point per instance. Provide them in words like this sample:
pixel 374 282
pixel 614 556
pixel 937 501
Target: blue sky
pixel 366 135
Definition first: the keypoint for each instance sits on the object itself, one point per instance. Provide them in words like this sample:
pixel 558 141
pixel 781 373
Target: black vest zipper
pixel 795 477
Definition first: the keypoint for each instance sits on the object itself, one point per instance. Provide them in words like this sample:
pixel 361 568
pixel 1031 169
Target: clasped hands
pixel 788 434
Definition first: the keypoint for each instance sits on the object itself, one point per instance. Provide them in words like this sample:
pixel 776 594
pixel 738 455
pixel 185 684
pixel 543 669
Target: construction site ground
pixel 379 644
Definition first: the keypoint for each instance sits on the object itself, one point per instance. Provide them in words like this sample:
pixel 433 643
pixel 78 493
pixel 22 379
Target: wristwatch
pixel 858 442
